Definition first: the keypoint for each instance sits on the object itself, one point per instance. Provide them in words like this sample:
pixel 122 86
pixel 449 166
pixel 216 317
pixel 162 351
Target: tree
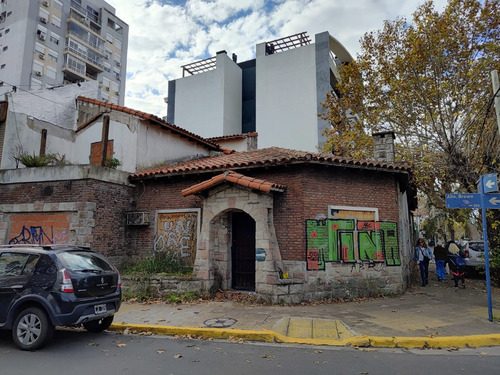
pixel 429 82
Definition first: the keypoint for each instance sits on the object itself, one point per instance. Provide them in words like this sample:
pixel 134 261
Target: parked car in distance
pixel 473 253
pixel 44 286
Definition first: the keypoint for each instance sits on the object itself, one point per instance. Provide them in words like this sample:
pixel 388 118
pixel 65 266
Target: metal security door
pixel 243 251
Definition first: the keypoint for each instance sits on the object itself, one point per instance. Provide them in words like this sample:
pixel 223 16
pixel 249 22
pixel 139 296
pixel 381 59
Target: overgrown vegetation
pixel 112 163
pixel 160 263
pixel 32 160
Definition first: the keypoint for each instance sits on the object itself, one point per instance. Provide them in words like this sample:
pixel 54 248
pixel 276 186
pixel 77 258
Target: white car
pixel 473 253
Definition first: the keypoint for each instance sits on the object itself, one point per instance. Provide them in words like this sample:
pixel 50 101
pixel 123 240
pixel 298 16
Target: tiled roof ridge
pixel 264 157
pixel 160 121
pixel 236 178
pixel 234 136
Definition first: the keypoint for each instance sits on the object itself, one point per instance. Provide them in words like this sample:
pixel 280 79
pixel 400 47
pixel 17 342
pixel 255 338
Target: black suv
pixel 57 285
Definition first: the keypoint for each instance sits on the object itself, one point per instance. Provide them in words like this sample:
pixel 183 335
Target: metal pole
pixel 494 80
pixel 486 250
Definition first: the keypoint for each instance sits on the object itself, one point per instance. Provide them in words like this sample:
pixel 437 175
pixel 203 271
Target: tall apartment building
pixel 278 94
pixel 47 43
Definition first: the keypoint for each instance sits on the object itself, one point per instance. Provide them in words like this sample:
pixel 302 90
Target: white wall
pixel 209 103
pixel 286 99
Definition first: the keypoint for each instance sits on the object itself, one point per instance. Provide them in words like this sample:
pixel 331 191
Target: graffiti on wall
pixel 39 229
pixel 351 240
pixel 176 233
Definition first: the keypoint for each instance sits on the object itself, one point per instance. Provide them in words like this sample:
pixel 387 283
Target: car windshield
pixel 476 246
pixel 85 261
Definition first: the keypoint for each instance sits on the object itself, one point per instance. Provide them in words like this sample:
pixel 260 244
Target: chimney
pixel 384 146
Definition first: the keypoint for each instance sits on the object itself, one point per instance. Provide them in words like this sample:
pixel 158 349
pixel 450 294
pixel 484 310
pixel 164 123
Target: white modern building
pixel 48 43
pixel 278 94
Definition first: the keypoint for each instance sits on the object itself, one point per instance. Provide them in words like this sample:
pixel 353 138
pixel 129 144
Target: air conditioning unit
pixel 43 20
pixel 118 63
pixel 107 88
pixel 46 3
pixel 137 218
pixel 117 93
pixel 118 78
pixel 38 73
pixel 41 56
pixel 41 36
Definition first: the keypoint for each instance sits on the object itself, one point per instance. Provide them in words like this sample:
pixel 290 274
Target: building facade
pixel 278 94
pixel 48 43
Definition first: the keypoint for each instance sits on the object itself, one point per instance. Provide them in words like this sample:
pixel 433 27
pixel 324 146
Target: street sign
pixel 463 201
pixel 492 201
pixel 490 183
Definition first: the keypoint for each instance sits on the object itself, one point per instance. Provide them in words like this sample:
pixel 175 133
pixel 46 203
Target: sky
pixel 166 34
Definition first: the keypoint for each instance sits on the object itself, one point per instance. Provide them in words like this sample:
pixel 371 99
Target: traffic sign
pixel 492 201
pixel 463 201
pixel 490 183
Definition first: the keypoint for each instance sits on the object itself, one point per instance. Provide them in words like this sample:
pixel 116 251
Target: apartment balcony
pixel 85 17
pixel 92 60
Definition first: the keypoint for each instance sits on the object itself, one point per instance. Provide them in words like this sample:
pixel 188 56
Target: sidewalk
pixel 436 316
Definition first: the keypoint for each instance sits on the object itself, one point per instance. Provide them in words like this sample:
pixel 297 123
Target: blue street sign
pixel 492 201
pixel 490 183
pixel 463 200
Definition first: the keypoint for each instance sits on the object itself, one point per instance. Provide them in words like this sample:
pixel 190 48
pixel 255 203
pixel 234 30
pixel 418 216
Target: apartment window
pixel 57 4
pixel 109 38
pixel 37 68
pixel 36 84
pixel 41 32
pixel 56 21
pixel 104 96
pixel 114 100
pixel 118 44
pixel 109 53
pixel 39 47
pixel 54 38
pixel 44 15
pixel 51 72
pixel 115 87
pixel 53 55
pixel 107 67
pixel 105 82
pixel 117 59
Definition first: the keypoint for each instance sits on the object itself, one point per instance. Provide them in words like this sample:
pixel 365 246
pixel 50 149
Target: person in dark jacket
pixel 422 255
pixel 440 254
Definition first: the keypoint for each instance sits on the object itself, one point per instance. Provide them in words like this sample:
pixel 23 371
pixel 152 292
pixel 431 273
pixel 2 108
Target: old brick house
pixel 287 224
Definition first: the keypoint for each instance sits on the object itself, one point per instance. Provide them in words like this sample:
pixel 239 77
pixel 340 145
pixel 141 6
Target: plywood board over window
pixel 177 233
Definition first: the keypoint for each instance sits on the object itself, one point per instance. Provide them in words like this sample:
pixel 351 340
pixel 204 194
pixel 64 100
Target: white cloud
pixel 164 35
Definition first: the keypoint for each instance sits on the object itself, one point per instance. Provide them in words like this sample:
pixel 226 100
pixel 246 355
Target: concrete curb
pixel 356 341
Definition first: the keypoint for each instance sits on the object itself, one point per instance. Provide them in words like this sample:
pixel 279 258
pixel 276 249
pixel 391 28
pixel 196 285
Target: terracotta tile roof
pixel 273 156
pixel 233 136
pixel 236 178
pixel 155 120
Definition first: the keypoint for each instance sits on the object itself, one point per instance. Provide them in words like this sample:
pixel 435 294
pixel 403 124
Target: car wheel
pixel 98 325
pixel 31 329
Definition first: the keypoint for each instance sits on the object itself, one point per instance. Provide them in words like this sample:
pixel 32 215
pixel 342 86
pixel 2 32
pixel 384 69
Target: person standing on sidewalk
pixel 440 256
pixel 423 255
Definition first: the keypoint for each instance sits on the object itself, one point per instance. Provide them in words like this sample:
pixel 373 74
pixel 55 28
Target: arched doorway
pixel 242 251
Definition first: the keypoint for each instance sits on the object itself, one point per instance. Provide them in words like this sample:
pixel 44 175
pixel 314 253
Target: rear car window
pixel 477 246
pixel 85 261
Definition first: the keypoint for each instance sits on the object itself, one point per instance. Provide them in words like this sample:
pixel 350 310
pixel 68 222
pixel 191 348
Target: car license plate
pixel 100 309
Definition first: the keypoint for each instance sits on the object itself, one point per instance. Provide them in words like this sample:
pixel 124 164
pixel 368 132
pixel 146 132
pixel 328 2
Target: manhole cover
pixel 219 322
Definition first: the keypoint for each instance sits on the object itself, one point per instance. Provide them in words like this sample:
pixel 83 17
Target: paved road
pixel 83 353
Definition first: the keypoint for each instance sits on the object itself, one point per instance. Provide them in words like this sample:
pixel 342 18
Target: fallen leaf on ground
pixel 121 345
pixel 177 356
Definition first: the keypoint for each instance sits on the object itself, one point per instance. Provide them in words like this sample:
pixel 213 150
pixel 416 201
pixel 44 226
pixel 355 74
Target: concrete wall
pixel 209 103
pixel 286 98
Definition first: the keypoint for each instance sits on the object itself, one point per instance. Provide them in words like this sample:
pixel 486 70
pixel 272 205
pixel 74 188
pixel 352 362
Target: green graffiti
pixel 350 240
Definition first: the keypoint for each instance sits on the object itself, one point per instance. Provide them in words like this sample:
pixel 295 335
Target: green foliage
pixel 32 160
pixel 112 163
pixel 160 263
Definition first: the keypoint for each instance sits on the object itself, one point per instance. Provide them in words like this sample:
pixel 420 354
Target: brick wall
pixel 95 212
